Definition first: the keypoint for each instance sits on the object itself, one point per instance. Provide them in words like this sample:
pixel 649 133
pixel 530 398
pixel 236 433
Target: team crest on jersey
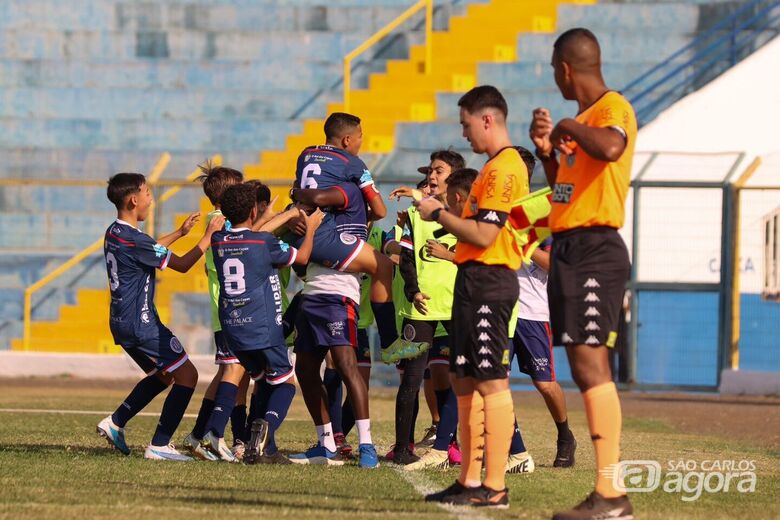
pixel 236 313
pixel 409 332
pixel 284 246
pixel 160 250
pixel 306 157
pixel 563 192
pixel 221 252
pixel 348 238
pixel 176 345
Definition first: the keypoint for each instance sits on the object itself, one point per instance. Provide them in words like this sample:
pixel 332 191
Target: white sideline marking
pixel 81 412
pixel 423 486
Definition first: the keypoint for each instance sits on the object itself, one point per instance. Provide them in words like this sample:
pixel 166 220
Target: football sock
pixel 325 436
pixel 364 431
pixel 498 436
pixel 448 418
pixel 144 392
pixel 517 445
pixel 333 387
pixel 564 433
pixel 224 401
pixel 384 314
pixel 251 416
pixel 471 420
pixel 206 406
pixel 602 407
pixel 415 412
pixel 173 410
pixel 238 422
pixel 281 397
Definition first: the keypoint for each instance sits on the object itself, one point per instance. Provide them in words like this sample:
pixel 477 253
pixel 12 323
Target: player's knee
pixel 165 377
pixel 186 375
pixel 546 388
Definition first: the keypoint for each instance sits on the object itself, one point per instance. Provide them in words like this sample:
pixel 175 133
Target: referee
pixel 589 264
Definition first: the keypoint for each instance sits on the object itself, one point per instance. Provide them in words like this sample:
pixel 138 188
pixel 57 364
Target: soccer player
pixel 485 293
pixel 215 179
pixel 250 312
pixel 589 265
pixel 428 285
pixel 132 259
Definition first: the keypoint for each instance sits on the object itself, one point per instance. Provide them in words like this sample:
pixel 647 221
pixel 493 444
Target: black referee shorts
pixel 589 268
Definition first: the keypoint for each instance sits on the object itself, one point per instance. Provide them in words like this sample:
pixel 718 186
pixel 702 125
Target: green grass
pixel 54 465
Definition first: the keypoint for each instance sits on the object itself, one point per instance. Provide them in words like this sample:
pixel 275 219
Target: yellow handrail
pixel 157 171
pixel 384 31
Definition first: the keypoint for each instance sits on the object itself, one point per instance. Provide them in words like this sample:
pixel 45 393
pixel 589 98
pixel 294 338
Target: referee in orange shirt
pixel 485 293
pixel 589 264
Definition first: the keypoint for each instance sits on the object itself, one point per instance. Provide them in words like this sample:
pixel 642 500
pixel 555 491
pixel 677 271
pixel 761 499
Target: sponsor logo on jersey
pixel 235 313
pixel 562 193
pixel 176 345
pixel 509 185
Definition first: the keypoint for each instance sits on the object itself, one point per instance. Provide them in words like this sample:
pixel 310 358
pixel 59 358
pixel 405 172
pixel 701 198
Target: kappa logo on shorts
pixel 592 297
pixel 591 283
pixel 483 337
pixel 592 311
pixel 484 310
pixel 485 364
pixel 409 332
pixel 460 360
pixel 176 345
pixel 592 340
pixel 565 338
pixel 592 325
pixel 348 239
pixel 484 350
pixel 492 217
pixel 483 324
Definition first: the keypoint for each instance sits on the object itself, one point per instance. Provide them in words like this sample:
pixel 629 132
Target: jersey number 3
pixel 233 271
pixel 307 181
pixel 113 277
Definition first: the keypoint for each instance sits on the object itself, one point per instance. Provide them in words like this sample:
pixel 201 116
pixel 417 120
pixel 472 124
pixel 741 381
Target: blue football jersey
pixel 322 167
pixel 250 292
pixel 132 257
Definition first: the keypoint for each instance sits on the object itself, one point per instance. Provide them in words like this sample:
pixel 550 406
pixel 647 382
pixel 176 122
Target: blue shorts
pixel 163 352
pixel 224 355
pixel 324 321
pixel 363 349
pixel 332 249
pixel 533 346
pixel 271 363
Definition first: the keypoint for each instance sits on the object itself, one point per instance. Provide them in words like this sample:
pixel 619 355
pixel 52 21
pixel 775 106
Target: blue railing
pixel 717 49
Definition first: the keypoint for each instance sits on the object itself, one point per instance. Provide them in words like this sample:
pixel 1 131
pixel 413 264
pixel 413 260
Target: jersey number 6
pixel 308 182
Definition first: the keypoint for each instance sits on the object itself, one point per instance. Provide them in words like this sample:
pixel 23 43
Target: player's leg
pixel 112 428
pixel 334 390
pixel 433 408
pixel 363 354
pixel 519 461
pixel 238 418
pixel 172 359
pixel 224 401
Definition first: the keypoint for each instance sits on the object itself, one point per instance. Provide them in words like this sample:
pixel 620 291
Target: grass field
pixel 54 465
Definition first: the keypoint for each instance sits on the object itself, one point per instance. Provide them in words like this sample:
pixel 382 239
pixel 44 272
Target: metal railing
pixel 384 31
pixel 152 180
pixel 720 47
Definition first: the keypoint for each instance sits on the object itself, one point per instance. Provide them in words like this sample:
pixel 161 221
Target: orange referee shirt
pixel 503 180
pixel 589 192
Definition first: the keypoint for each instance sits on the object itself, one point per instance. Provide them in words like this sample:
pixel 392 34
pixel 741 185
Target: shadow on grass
pixel 70 449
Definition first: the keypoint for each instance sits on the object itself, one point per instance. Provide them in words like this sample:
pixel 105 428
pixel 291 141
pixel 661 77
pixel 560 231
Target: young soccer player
pixel 215 180
pixel 132 259
pixel 485 293
pixel 589 265
pixel 250 312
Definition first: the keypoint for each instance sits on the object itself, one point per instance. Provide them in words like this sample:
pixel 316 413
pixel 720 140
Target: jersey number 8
pixel 233 270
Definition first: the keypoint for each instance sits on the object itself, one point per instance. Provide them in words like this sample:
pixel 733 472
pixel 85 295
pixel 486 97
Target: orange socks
pixel 471 422
pixel 499 428
pixel 602 406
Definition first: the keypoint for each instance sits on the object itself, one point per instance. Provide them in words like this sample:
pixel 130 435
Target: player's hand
pixel 314 220
pixel 269 212
pixel 216 224
pixel 402 217
pixel 540 130
pixel 189 223
pixel 427 206
pixel 405 191
pixel 560 138
pixel 436 249
pixel 419 303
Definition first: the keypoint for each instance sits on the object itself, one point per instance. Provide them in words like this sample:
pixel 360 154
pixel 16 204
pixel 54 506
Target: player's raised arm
pixel 313 221
pixel 183 264
pixel 186 227
pixel 541 128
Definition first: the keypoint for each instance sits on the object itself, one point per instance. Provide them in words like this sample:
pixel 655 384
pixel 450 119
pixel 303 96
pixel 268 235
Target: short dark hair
pixel 263 191
pixel 462 179
pixel 238 201
pixel 451 157
pixel 339 123
pixel 122 185
pixel 580 48
pixel 216 179
pixel 484 96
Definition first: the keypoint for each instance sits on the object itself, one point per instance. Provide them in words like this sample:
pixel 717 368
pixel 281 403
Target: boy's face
pixel 353 140
pixel 142 201
pixel 455 202
pixel 474 129
pixel 440 170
